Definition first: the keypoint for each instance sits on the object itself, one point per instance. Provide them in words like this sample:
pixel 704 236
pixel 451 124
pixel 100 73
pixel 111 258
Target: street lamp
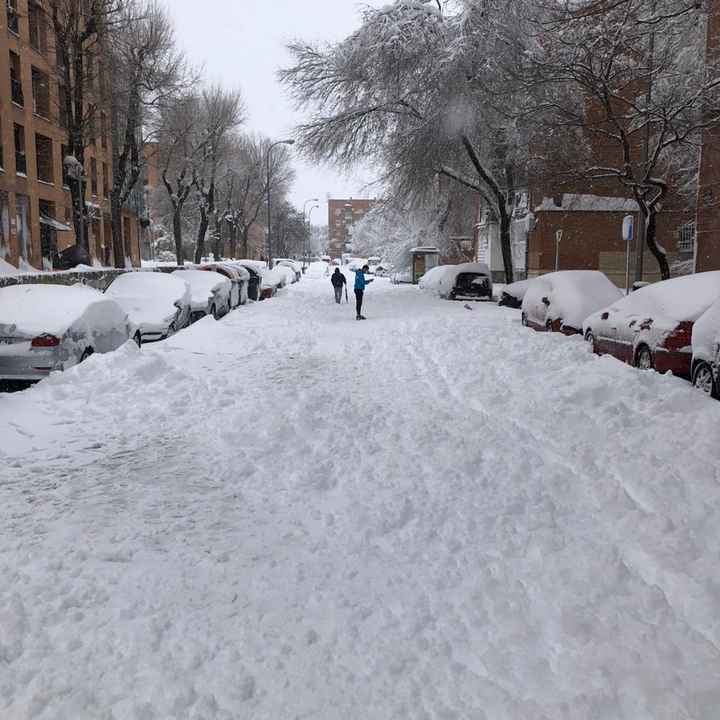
pixel 307 229
pixel 267 159
pixel 307 234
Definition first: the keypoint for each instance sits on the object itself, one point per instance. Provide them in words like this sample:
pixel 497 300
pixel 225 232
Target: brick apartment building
pixel 35 203
pixel 342 215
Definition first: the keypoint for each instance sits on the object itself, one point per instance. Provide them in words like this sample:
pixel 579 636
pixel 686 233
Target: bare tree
pixel 244 185
pixel 177 151
pixel 221 112
pixel 409 90
pixel 81 29
pixel 631 75
pixel 147 71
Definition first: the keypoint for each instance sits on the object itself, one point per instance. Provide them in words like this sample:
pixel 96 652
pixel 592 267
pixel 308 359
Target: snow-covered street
pixel 289 514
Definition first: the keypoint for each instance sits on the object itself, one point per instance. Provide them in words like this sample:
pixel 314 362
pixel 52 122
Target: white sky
pixel 241 43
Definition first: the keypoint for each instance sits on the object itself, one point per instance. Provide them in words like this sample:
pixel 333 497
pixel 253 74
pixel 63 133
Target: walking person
pixel 338 280
pixel 361 282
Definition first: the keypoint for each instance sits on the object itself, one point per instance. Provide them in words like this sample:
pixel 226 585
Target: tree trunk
pixel 177 234
pixel 233 239
pixel 246 240
pixel 218 244
pixel 505 243
pixel 651 242
pixel 118 242
pixel 202 231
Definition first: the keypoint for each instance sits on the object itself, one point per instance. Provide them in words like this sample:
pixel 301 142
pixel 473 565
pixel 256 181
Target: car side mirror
pixel 546 302
pixel 605 316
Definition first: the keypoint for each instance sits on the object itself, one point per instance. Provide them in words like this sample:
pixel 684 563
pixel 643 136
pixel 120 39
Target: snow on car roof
pixel 203 283
pixel 35 309
pixel 148 283
pixel 573 294
pixel 680 299
pixel 149 298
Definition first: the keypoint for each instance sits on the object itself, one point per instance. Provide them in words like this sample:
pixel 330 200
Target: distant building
pixel 342 216
pixel 35 203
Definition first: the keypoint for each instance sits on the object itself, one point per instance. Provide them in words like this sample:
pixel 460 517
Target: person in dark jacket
pixel 338 280
pixel 361 282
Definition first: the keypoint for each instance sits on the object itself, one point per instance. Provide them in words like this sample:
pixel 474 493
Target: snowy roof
pixel 573 202
pixel 427 250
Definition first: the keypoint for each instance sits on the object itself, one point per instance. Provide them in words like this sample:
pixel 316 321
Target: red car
pixel 652 327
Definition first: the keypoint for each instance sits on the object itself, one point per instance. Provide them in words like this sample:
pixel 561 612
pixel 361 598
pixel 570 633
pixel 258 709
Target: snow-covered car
pixel 512 295
pixel 706 351
pixel 209 292
pixel 255 271
pixel 238 276
pixel 560 301
pixel 288 272
pixel 53 327
pixel 272 281
pixel 401 277
pixel 466 281
pixel 294 265
pixel 157 304
pixel 652 327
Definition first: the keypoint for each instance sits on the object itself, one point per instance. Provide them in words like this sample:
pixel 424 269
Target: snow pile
pixel 288 273
pixel 150 299
pixel 205 285
pixel 316 270
pixel 514 293
pixel 7 269
pixel 571 295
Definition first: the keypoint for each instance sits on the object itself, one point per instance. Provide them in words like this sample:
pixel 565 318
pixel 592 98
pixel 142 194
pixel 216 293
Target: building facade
pixel 35 202
pixel 342 216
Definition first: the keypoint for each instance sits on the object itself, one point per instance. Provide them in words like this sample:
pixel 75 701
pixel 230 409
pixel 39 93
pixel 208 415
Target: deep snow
pixel 289 514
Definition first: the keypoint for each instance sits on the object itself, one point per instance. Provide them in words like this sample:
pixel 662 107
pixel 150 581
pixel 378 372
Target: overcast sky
pixel 242 44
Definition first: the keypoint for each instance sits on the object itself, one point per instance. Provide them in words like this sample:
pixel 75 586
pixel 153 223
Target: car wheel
pixel 590 339
pixel 137 338
pixel 213 312
pixel 87 352
pixel 523 320
pixel 704 380
pixel 548 326
pixel 644 358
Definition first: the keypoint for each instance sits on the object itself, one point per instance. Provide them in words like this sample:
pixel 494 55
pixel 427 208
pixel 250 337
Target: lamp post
pixel 307 235
pixel 307 221
pixel 267 160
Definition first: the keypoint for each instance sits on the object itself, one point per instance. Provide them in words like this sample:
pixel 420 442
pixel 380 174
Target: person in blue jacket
pixel 361 282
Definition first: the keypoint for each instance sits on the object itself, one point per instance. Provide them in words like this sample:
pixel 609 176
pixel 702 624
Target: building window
pixel 686 237
pixel 22 224
pixel 36 25
pixel 20 157
pixel 13 19
pixel 41 93
pixel 44 156
pixel 16 79
pixel 48 232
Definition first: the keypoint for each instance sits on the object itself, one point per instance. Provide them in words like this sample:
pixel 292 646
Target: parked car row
pixel 669 326
pixel 46 327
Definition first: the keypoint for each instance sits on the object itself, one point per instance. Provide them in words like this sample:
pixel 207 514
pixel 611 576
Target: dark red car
pixel 652 327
